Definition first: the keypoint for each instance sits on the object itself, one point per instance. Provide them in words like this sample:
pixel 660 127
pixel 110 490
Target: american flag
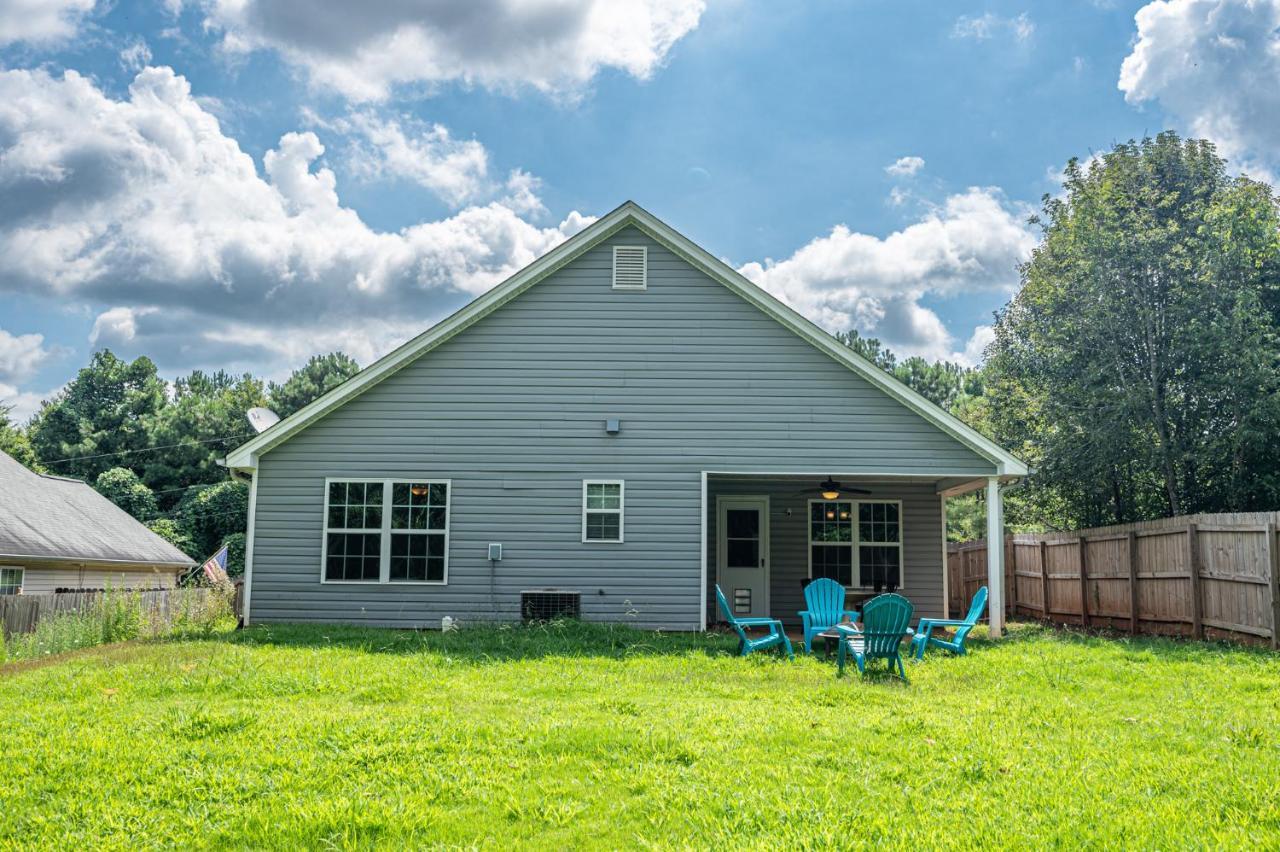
pixel 215 570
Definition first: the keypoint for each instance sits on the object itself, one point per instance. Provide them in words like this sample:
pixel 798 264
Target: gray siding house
pixel 626 421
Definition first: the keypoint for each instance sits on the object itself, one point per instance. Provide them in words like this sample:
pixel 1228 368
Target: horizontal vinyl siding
pixel 41 579
pixel 512 411
pixel 922 569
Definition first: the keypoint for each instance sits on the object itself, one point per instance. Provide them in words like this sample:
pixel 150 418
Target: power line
pixel 147 449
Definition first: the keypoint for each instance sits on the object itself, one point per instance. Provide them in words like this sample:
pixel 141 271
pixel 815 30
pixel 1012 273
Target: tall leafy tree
pixel 14 441
pixel 205 418
pixel 123 487
pixel 1137 368
pixel 100 418
pixel 317 377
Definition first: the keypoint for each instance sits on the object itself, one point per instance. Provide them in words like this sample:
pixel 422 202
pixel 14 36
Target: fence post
pixel 1011 573
pixel 1044 579
pixel 1197 605
pixel 1133 581
pixel 1084 581
pixel 1273 568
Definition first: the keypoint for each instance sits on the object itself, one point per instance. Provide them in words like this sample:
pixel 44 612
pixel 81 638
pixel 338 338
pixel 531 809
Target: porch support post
pixel 995 558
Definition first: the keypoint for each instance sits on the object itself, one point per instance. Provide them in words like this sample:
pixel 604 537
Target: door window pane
pixel 742 552
pixel 742 523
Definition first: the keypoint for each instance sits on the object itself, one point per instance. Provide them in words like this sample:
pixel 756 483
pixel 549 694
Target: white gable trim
pixel 246 456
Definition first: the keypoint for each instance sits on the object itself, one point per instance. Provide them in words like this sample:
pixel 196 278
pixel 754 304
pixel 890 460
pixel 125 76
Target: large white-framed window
pixel 386 531
pixel 602 510
pixel 11 578
pixel 857 543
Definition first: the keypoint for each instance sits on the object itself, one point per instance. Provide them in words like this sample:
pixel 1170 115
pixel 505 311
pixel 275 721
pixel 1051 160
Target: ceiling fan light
pixel 830 489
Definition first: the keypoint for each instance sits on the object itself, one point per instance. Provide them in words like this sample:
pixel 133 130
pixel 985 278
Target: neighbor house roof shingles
pixel 49 517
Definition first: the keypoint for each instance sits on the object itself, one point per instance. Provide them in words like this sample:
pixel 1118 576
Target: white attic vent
pixel 630 267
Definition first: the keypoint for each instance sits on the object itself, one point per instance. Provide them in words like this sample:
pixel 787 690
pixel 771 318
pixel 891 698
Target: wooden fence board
pixel 1172 576
pixel 23 613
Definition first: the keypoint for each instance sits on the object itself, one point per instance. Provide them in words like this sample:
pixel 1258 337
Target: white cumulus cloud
pixel 973 242
pixel 457 170
pixel 1214 66
pixel 365 49
pixel 21 355
pixel 41 21
pixel 905 166
pixel 144 206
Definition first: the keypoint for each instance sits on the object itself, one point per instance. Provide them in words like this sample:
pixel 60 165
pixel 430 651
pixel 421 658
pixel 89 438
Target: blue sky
pixel 242 184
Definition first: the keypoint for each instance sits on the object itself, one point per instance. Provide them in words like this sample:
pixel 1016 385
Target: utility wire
pixel 147 449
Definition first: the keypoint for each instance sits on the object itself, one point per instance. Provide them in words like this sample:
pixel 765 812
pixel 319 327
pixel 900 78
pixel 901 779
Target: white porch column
pixel 995 557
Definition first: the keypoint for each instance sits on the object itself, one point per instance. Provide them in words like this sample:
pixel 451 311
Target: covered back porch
pixel 765 536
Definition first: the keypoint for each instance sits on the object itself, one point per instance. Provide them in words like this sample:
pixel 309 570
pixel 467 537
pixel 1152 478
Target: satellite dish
pixel 262 419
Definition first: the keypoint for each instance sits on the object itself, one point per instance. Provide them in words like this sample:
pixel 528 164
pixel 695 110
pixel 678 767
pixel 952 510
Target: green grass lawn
pixel 575 736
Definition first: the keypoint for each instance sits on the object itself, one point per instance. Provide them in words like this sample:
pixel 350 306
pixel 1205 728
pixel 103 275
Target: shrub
pixel 210 513
pixel 235 554
pixel 123 487
pixel 169 530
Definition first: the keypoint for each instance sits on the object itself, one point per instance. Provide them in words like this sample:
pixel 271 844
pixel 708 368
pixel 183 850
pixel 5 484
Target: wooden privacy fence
pixel 22 613
pixel 1190 576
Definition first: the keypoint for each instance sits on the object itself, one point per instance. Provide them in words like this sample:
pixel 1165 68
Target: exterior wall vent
pixel 550 605
pixel 630 267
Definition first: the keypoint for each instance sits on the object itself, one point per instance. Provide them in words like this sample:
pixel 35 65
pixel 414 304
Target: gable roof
pixel 51 518
pixel 630 214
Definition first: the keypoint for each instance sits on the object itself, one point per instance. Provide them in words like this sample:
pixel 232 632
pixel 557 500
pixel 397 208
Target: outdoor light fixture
pixel 830 489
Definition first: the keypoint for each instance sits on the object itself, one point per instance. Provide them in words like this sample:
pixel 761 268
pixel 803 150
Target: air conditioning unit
pixel 550 604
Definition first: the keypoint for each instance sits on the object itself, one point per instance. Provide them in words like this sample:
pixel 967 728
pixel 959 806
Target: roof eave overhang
pixel 92 561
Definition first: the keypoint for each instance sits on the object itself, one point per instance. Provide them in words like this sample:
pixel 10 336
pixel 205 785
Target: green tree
pixel 317 377
pixel 235 544
pixel 205 418
pixel 210 513
pixel 870 348
pixel 99 421
pixel 169 530
pixel 14 441
pixel 1137 367
pixel 123 487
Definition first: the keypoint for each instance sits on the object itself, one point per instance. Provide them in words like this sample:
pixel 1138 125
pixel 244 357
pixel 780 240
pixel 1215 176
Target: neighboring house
pixel 58 533
pixel 632 421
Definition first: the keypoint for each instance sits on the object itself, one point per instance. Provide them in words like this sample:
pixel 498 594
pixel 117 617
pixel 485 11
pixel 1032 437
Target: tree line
pixel 151 446
pixel 1136 370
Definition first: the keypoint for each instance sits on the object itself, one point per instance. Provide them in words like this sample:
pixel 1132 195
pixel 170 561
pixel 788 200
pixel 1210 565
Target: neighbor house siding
pixel 39 579
pixel 512 410
pixel 922 570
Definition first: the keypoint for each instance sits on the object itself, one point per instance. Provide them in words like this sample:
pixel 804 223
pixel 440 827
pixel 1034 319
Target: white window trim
pixel 857 554
pixel 384 553
pixel 22 576
pixel 620 511
pixel 644 264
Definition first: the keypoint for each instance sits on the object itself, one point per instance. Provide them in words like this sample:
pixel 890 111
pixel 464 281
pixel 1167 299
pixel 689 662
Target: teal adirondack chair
pixel 746 644
pixel 924 633
pixel 885 623
pixel 824 598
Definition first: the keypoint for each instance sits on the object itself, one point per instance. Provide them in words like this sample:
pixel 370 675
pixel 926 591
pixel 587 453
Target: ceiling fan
pixel 829 489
